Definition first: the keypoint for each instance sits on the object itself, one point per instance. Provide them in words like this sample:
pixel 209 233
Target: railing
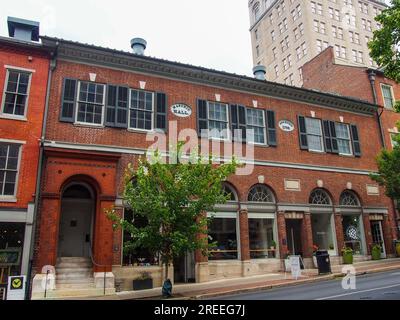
pixel 98 265
pixel 3 291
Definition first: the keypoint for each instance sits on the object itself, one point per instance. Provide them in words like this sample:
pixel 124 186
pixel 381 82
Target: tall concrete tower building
pixel 286 34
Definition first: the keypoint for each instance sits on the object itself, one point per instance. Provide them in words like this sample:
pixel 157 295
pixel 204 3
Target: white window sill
pixel 88 125
pixel 346 155
pixel 142 131
pixel 8 199
pixel 12 117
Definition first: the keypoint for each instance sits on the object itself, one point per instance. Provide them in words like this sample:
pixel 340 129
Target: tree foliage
pixel 389 170
pixel 385 46
pixel 173 198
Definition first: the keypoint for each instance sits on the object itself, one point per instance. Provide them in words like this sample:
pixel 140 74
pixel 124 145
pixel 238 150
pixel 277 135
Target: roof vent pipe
pixel 138 46
pixel 260 72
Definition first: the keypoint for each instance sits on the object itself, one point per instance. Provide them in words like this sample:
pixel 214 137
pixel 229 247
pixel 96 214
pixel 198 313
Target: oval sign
pixel 181 110
pixel 286 125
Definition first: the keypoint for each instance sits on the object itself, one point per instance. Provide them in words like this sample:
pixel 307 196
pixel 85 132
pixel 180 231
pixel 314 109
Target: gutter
pixel 52 67
pixel 371 77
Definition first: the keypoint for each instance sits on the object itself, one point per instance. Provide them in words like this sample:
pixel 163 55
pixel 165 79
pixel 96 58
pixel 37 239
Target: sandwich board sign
pixel 16 288
pixel 295 266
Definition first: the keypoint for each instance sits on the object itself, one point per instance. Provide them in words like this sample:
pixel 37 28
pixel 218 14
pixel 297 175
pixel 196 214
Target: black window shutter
pixel 238 122
pixel 242 122
pixel 111 106
pixel 302 133
pixel 271 128
pixel 68 106
pixel 335 147
pixel 327 136
pixel 234 121
pixel 202 118
pixel 122 105
pixel 356 140
pixel 161 112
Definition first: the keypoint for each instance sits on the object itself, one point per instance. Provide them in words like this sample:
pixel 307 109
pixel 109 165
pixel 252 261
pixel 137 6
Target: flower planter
pixel 143 284
pixel 347 258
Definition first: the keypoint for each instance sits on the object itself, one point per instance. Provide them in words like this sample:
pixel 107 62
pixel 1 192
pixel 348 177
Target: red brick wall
pixel 28 131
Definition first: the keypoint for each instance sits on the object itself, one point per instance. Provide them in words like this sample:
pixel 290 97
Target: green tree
pixel 385 46
pixel 388 174
pixel 173 198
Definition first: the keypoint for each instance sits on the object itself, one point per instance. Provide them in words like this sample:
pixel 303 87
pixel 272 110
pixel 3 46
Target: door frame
pixel 383 244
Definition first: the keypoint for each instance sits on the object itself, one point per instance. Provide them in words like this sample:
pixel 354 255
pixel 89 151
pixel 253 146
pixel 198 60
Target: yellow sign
pixel 17 283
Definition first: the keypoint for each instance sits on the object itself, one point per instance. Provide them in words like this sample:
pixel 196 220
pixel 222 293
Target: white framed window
pixel 319 46
pixel 10 155
pixel 258 51
pixel 319 9
pixel 90 103
pixel 256 35
pixel 337 15
pixel 256 122
pixel 314 135
pixel 301 28
pixel 340 33
pixel 16 93
pixel 274 53
pixel 296 33
pixel 343 138
pixel 388 97
pixel 141 110
pixel 331 13
pixel 313 7
pixel 273 35
pixel 343 53
pixel 276 68
pixel 218 120
pixel 300 74
pixel 393 141
pixel 337 51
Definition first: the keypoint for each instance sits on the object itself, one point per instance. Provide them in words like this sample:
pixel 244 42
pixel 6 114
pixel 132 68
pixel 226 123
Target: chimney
pixel 138 46
pixel 24 30
pixel 259 72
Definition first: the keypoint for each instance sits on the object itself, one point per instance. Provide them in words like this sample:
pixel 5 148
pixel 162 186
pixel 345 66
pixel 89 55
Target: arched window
pixel 261 193
pixel 349 198
pixel 256 11
pixel 319 196
pixel 229 191
pixel 77 191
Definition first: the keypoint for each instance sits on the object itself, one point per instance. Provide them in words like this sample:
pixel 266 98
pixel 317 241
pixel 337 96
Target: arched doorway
pixel 76 222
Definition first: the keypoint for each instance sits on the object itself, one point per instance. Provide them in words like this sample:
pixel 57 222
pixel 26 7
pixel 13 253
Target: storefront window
pixel 352 232
pixel 223 232
pixel 261 235
pixel 11 245
pixel 322 231
pixel 136 256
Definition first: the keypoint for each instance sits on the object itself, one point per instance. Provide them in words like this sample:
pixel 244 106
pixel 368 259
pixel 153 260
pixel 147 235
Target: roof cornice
pixel 104 57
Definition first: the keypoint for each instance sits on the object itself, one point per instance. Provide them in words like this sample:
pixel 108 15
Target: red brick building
pixel 313 153
pixel 24 68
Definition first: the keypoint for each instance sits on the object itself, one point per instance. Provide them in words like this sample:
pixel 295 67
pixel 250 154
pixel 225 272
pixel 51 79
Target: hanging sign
pixel 16 288
pixel 181 110
pixel 286 125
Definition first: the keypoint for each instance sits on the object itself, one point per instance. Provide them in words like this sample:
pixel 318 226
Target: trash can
pixel 323 262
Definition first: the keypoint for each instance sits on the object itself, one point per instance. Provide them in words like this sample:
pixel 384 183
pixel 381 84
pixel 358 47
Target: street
pixel 379 286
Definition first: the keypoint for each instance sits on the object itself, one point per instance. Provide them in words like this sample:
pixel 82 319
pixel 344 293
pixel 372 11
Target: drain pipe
pixel 371 77
pixel 52 66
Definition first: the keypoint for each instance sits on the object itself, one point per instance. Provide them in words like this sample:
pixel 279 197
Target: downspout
pixel 371 77
pixel 52 66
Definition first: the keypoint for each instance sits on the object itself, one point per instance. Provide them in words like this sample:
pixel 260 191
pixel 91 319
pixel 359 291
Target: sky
pixel 209 33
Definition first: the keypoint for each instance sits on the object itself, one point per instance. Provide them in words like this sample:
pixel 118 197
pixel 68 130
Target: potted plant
pixel 347 254
pixel 315 249
pixel 376 252
pixel 143 282
pixel 272 245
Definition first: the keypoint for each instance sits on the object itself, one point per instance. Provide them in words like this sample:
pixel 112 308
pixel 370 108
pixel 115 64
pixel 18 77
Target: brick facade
pixel 92 155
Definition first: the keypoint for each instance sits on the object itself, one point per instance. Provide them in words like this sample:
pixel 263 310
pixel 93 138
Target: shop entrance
pixel 377 236
pixel 293 234
pixel 184 269
pixel 76 223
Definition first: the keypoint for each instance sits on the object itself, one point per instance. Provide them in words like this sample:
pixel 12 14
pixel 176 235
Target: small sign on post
pixel 295 266
pixel 16 288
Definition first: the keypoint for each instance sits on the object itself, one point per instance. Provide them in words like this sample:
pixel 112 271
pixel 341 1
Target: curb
pixel 290 284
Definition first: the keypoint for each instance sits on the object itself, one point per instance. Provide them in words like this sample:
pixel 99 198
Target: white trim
pixel 8 199
pixel 13 198
pixel 153 112
pixel 221 214
pixel 391 92
pixel 17 216
pixel 260 215
pixel 96 125
pixel 19 68
pixel 3 101
pixel 264 127
pixel 12 141
pixel 228 121
pixel 137 151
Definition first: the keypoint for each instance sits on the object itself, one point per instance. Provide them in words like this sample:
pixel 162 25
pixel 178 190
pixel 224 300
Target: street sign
pixel 16 288
pixel 295 266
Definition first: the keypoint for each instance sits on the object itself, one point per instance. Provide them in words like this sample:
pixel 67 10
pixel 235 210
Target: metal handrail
pixel 98 265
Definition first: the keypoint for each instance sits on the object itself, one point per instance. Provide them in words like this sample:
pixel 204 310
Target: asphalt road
pixel 378 286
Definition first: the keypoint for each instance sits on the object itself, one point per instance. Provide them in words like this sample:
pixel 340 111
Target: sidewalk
pixel 255 283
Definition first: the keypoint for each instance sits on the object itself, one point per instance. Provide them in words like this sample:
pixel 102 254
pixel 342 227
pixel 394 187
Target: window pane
pixel 223 232
pixel 313 126
pixel 352 232
pixel 315 143
pixel 261 236
pixel 342 131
